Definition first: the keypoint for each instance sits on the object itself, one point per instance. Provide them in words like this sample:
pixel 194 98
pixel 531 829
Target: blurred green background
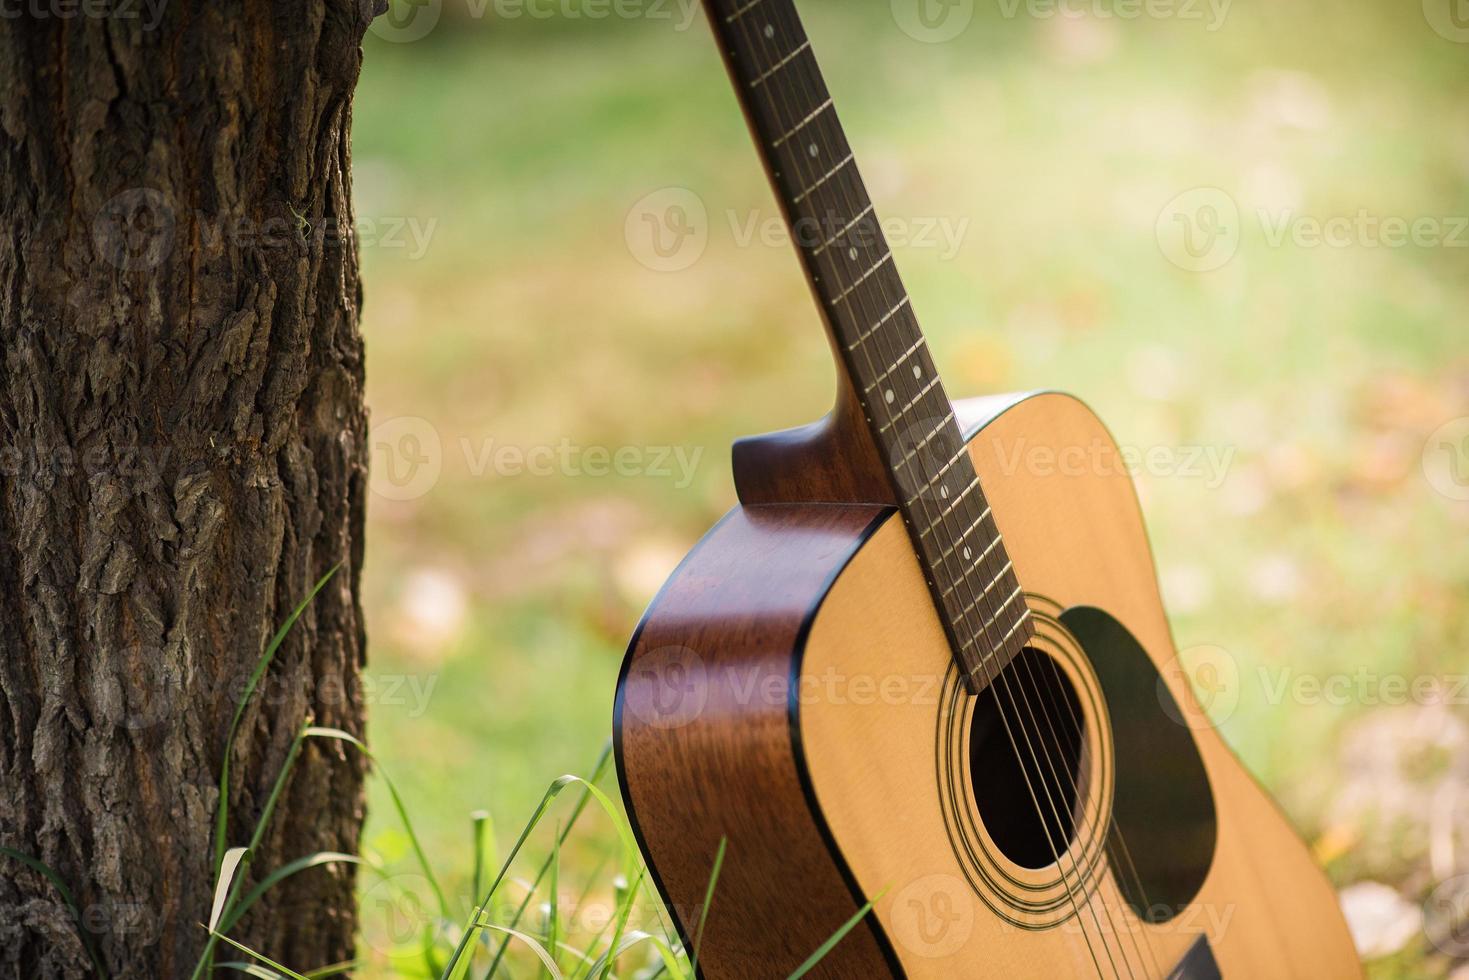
pixel 504 155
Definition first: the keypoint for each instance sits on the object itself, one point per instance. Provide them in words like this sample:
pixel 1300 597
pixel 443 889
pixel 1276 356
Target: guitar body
pixel 792 692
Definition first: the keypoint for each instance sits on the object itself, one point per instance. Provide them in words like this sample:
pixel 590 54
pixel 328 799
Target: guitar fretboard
pixel 852 272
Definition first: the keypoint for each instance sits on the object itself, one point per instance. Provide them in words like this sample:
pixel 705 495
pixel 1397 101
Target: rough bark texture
pixel 183 453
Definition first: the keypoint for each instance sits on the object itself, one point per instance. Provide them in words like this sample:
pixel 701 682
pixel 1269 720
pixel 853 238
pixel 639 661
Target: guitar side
pixel 707 748
pixel 784 691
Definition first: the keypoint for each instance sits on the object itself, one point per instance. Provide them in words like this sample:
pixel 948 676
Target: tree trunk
pixel 183 454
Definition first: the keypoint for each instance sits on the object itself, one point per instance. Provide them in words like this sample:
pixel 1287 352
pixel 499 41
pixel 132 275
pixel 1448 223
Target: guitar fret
pixel 829 175
pixel 948 510
pixel 983 556
pixel 818 143
pixel 805 46
pixel 1020 621
pixel 803 123
pixel 902 358
pixel 983 592
pixel 800 96
pixel 848 227
pixel 939 473
pixel 876 326
pixel 865 276
pixel 993 619
pixel 998 575
pixel 927 438
pixel 731 18
pixel 963 614
pixel 912 454
pixel 964 535
pixel 898 415
pixel 959 568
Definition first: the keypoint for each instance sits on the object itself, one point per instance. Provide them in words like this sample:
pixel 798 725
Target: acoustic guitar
pixel 922 678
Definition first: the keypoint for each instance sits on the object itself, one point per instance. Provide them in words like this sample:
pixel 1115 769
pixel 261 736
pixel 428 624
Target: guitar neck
pixel 870 318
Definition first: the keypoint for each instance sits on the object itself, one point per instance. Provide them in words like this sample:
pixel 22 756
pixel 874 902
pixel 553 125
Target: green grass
pixel 500 934
pixel 528 321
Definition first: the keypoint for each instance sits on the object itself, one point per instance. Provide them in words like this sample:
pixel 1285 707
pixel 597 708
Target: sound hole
pixel 1025 759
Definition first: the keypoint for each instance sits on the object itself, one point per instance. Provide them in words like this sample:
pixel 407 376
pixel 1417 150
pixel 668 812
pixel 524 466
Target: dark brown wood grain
pixel 832 460
pixel 707 747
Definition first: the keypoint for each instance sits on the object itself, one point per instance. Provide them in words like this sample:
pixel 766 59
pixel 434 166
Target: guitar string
pixel 990 611
pixel 1106 821
pixel 892 360
pixel 1113 829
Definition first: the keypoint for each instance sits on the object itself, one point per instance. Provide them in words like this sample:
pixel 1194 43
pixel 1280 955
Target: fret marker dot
pixel 944 492
pixel 967 554
pixel 814 150
pixel 917 371
pixel 769 30
pixel 852 254
pixel 889 396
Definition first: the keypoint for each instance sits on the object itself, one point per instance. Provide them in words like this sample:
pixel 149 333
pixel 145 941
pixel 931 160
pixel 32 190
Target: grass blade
pixel 221 815
pixel 232 859
pixel 347 967
pixel 285 871
pixel 553 918
pixel 283 970
pixel 320 973
pixel 482 827
pixel 337 734
pixel 625 903
pixel 249 969
pixel 428 871
pixel 604 762
pixel 458 967
pixel 71 906
pixel 545 956
pixel 555 790
pixel 830 944
pixel 635 938
pixel 237 878
pixel 708 900
pixel 463 951
pixel 581 901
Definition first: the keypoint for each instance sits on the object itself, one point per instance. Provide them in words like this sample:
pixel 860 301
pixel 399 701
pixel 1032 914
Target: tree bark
pixel 183 454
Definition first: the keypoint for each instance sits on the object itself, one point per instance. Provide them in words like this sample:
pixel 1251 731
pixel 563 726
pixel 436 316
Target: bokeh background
pixel 1236 229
